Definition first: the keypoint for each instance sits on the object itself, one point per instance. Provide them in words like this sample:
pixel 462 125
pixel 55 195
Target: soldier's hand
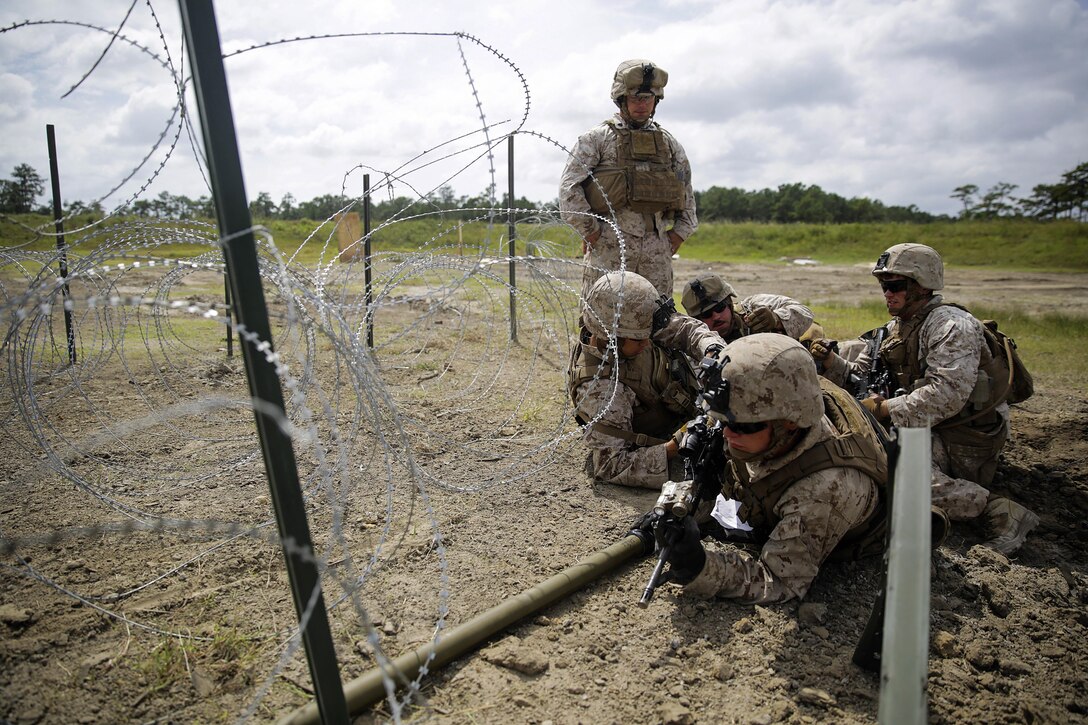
pixel 876 405
pixel 821 349
pixel 590 239
pixel 644 528
pixel 686 556
pixel 675 241
pixel 763 319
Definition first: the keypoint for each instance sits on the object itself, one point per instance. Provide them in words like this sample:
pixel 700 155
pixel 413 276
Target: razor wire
pixel 143 453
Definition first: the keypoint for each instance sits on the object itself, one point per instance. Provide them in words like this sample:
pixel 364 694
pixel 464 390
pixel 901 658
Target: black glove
pixel 644 529
pixel 686 555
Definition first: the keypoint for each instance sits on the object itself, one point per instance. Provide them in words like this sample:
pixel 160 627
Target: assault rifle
pixel 879 379
pixel 703 450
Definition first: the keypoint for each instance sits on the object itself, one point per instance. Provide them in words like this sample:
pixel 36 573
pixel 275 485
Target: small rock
pixel 821 632
pixel 673 713
pixel 514 656
pixel 14 616
pixel 811 613
pixel 725 672
pixel 980 655
pixel 742 625
pixel 944 643
pixel 816 696
pixel 1013 666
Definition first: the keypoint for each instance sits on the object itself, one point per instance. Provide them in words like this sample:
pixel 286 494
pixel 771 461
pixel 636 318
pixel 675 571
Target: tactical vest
pixel 663 382
pixel 900 353
pixel 859 442
pixel 642 179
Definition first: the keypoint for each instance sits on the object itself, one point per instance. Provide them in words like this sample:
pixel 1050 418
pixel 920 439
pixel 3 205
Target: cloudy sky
pixel 897 101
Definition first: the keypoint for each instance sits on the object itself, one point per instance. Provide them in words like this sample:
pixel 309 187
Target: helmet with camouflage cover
pixel 765 377
pixel 915 261
pixel 628 294
pixel 705 291
pixel 638 76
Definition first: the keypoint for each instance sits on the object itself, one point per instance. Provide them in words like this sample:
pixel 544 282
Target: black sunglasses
pixel 713 310
pixel 745 429
pixel 893 286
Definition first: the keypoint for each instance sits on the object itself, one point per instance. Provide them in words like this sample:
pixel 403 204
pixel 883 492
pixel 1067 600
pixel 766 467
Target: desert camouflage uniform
pixel 816 513
pixel 645 236
pixel 796 318
pixel 950 344
pixel 611 459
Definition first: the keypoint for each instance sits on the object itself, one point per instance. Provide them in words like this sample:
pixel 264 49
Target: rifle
pixel 879 379
pixel 703 450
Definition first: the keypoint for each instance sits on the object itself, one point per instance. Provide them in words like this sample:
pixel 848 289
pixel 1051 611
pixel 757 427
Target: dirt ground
pixel 142 581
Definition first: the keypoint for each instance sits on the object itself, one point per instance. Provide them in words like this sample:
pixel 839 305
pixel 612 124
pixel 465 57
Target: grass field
pixel 1053 345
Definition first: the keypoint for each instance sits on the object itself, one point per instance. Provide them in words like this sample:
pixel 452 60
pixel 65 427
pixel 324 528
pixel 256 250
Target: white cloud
pixel 899 101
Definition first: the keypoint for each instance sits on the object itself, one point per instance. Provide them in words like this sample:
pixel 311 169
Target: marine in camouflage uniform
pixel 644 174
pixel 633 403
pixel 711 299
pixel 809 485
pixel 937 355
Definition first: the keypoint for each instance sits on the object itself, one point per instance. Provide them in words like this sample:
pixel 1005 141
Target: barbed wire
pixel 142 452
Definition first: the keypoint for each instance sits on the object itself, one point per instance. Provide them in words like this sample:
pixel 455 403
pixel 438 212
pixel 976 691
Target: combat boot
pixel 1009 524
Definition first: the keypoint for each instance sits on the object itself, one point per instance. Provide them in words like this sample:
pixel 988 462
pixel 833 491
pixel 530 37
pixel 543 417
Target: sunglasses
pixel 745 429
pixel 713 310
pixel 893 286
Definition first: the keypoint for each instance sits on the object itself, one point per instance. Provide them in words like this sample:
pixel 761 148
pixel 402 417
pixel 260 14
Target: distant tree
pixel 814 207
pixel 263 207
pixel 996 202
pixel 287 208
pixel 965 194
pixel 1076 184
pixel 322 207
pixel 17 195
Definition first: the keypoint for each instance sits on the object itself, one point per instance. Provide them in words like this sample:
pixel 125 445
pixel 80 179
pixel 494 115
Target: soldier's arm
pixel 585 157
pixel 686 221
pixel 612 459
pixel 688 335
pixel 795 317
pixel 950 344
pixel 817 512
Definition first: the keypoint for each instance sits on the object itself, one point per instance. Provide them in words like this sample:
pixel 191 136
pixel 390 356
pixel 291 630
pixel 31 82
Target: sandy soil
pixel 189 621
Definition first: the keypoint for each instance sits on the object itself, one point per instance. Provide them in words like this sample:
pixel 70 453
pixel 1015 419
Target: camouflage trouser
pixel 649 256
pixel 960 498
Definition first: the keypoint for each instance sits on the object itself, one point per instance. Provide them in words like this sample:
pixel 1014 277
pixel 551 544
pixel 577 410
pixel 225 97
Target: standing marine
pixel 630 172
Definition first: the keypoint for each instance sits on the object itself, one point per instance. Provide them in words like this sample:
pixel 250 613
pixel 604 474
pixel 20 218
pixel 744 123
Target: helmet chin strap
pixel 917 298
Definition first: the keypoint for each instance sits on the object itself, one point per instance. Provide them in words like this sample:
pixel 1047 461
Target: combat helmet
pixel 638 76
pixel 914 261
pixel 636 299
pixel 764 377
pixel 705 291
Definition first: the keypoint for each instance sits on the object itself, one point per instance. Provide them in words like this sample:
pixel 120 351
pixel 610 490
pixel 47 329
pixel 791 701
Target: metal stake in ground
pixel 240 252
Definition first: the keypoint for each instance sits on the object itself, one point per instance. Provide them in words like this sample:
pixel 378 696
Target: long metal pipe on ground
pixel 364 691
pixel 905 662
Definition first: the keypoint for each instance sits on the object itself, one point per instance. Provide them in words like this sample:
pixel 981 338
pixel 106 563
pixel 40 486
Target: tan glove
pixel 877 406
pixel 820 349
pixel 763 319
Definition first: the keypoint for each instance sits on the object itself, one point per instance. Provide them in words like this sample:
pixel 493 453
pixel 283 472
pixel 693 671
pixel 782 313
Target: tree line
pixel 1066 199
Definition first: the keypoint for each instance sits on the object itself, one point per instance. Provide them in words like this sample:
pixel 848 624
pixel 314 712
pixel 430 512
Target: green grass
pixel 1051 345
pixel 1004 244
pixel 1013 244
